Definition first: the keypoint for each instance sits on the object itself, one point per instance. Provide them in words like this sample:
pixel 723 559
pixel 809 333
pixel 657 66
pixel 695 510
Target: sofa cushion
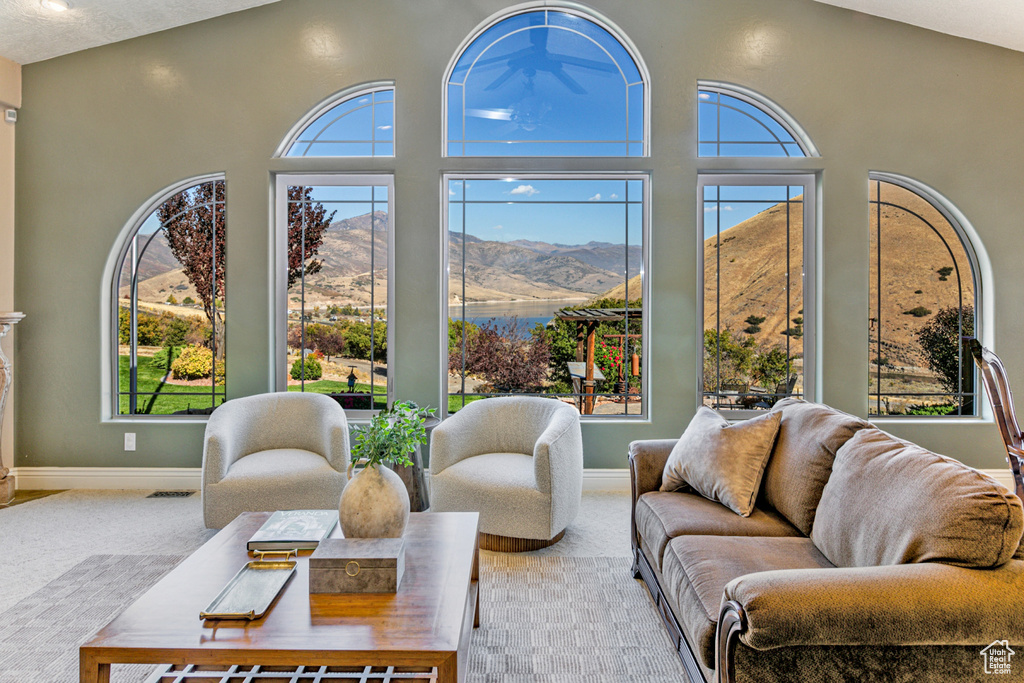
pixel 662 515
pixel 696 570
pixel 722 461
pixel 889 501
pixel 809 436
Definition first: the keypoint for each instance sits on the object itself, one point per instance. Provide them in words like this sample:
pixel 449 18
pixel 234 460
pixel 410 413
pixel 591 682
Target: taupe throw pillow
pixel 720 461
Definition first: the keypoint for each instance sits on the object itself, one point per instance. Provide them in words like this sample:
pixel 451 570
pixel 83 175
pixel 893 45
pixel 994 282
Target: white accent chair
pixel 279 451
pixel 518 461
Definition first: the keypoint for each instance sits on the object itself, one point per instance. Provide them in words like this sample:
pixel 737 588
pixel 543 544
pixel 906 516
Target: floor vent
pixel 170 494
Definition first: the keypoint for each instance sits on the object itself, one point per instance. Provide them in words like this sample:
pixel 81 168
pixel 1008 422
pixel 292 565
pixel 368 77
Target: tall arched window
pixel 547 273
pixel 357 122
pixel 169 303
pixel 923 296
pixel 737 122
pixel 546 82
pixel 757 246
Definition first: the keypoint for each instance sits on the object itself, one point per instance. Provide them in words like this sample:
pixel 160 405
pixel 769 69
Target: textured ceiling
pixel 1000 22
pixel 30 33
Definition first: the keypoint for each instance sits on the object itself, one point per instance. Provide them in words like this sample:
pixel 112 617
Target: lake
pixel 529 312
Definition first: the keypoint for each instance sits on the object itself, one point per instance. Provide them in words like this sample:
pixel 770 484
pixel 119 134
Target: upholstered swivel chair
pixel 518 461
pixel 280 451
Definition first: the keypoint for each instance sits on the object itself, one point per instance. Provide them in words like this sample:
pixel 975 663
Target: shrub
pixel 312 366
pixel 918 291
pixel 945 271
pixel 188 301
pixel 881 360
pixel 793 331
pixel 947 357
pixel 918 312
pixel 799 320
pixel 754 320
pixel 194 362
pixel 753 329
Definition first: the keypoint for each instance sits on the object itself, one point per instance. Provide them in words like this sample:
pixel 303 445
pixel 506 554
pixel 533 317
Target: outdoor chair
pixel 277 451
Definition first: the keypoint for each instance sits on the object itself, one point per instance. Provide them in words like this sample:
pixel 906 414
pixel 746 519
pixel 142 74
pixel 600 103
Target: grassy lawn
pixel 326 386
pixel 169 398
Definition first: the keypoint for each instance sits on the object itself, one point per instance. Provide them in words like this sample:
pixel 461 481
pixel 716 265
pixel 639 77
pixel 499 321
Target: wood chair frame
pixel 997 388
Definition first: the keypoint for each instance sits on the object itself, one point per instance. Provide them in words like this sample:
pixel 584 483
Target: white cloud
pixel 383 127
pixel 451 192
pixel 714 207
pixel 498 227
pixel 613 196
pixel 528 190
pixel 595 198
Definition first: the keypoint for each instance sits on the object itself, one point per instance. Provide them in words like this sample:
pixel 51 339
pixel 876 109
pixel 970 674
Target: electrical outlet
pixel 129 441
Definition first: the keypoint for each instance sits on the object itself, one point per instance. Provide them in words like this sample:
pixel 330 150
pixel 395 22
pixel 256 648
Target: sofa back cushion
pixel 721 461
pixel 801 462
pixel 889 501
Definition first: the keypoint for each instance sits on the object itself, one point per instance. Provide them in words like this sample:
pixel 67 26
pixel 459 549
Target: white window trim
pixel 279 272
pixel 329 103
pixel 109 363
pixel 811 307
pixel 984 299
pixel 645 373
pixel 569 8
pixel 769 107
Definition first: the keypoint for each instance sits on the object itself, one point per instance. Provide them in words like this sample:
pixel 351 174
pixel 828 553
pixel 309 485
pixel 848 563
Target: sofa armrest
pixel 909 604
pixel 646 463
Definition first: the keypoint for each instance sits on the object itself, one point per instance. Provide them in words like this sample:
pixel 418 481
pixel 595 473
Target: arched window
pixel 923 296
pixel 737 122
pixel 169 303
pixel 546 82
pixel 352 123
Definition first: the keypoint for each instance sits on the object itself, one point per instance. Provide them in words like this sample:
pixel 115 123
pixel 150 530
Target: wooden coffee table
pixel 425 627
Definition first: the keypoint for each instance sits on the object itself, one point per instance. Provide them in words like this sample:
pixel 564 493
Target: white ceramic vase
pixel 374 504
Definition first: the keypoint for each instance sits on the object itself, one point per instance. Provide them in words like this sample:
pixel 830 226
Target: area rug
pixel 543 619
pixel 40 635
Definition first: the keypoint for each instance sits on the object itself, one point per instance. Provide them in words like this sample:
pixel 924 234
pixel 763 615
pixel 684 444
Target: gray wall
pixel 102 130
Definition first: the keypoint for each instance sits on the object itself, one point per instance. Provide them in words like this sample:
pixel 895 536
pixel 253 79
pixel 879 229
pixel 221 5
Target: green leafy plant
pixel 754 320
pixel 391 435
pixel 313 369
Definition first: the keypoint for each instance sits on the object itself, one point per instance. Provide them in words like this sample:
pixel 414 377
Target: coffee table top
pixel 426 614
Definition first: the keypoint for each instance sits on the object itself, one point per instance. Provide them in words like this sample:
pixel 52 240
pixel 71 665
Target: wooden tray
pixel 253 589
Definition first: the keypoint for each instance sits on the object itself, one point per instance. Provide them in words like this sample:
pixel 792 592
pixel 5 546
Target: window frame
pixel 279 270
pixel 644 415
pixel 111 404
pixel 980 273
pixel 568 8
pixel 766 105
pixel 811 257
pixel 328 103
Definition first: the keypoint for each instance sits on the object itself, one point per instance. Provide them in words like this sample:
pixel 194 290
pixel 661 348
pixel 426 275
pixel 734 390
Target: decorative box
pixel 357 565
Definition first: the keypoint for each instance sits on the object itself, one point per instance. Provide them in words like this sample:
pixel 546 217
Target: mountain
pixel 753 267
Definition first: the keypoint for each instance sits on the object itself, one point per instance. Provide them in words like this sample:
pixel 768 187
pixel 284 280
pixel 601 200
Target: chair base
pixel 510 544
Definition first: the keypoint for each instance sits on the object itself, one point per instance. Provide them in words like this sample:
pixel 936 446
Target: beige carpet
pixel 568 613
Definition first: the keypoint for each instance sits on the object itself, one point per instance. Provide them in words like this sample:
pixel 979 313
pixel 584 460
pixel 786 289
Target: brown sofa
pixel 867 558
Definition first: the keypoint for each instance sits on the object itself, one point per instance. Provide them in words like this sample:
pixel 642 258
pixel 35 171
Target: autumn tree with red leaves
pixel 193 221
pixel 310 217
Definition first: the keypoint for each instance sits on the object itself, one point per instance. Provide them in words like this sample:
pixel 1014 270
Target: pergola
pixel 587 320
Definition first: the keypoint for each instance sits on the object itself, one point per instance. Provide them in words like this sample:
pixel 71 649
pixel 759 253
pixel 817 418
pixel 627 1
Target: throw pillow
pixel 721 461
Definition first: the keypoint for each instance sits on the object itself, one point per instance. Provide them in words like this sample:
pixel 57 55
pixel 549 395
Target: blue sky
pixel 555 211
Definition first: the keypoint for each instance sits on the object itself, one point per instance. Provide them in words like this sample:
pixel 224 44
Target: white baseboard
pixel 188 478
pixel 160 478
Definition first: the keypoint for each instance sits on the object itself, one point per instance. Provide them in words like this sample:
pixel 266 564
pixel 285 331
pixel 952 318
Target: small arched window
pixel 923 298
pixel 737 122
pixel 546 82
pixel 169 303
pixel 353 123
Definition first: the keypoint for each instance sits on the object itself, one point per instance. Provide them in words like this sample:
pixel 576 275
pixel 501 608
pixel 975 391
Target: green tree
pixel 771 367
pixel 947 356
